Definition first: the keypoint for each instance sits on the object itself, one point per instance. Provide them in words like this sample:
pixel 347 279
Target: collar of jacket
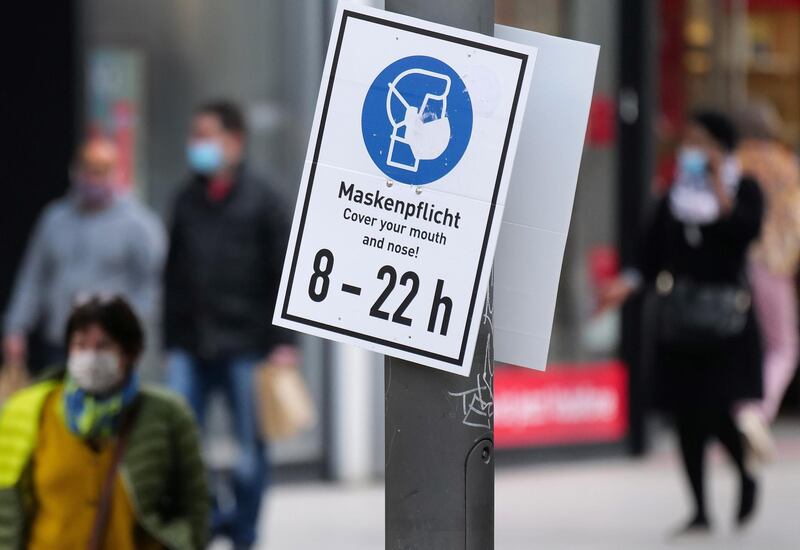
pixel 200 184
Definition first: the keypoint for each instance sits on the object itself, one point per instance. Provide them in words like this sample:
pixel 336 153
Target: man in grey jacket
pixel 91 241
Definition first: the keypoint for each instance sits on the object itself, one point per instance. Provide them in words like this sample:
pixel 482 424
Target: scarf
pixel 92 417
pixel 692 199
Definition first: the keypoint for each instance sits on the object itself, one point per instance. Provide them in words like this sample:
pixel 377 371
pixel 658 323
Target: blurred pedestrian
pixel 89 459
pixel 708 350
pixel 227 244
pixel 773 266
pixel 91 240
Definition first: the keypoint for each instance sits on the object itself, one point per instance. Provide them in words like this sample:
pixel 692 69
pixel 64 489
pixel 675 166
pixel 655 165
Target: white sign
pixel 536 221
pixel 404 186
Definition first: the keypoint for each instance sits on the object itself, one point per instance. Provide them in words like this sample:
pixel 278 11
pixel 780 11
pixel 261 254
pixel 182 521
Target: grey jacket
pixel 72 252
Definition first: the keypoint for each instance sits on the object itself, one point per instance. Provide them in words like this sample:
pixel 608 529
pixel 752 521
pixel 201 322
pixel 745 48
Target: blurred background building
pixel 135 70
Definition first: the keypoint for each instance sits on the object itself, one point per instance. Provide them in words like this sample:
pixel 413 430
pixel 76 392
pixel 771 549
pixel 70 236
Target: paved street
pixel 592 504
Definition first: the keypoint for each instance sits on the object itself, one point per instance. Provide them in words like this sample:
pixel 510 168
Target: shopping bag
pixel 286 408
pixel 12 379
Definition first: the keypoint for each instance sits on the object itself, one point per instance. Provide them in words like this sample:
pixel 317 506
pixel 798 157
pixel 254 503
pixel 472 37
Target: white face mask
pixel 95 372
pixel 427 140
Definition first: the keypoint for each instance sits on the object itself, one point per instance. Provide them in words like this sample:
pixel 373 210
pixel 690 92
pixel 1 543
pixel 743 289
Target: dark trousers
pixel 695 430
pixel 235 379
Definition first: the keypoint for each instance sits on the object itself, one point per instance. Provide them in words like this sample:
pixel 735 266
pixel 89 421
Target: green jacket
pixel 162 469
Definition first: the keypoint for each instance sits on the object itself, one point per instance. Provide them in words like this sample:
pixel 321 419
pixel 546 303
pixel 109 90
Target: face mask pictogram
pixel 425 129
pixel 416 120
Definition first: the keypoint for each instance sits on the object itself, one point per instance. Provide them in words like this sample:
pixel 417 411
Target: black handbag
pixel 699 314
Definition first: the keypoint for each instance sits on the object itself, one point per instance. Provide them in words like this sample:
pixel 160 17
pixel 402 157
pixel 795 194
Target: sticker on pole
pixel 404 187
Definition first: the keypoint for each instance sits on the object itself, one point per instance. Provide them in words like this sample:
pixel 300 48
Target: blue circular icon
pixel 417 120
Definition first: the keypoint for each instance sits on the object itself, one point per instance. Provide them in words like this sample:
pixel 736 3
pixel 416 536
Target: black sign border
pixel 321 130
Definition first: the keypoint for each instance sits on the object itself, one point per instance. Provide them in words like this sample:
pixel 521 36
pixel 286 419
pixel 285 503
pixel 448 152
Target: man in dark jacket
pixel 227 243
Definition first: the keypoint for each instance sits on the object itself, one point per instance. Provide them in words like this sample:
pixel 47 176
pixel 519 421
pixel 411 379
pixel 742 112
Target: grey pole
pixel 439 426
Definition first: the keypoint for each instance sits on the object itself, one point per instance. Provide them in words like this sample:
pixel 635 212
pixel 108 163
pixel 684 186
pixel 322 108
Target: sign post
pixel 439 426
pixel 396 225
pixel 404 191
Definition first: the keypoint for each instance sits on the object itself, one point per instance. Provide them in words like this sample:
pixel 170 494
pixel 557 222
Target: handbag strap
pixel 100 525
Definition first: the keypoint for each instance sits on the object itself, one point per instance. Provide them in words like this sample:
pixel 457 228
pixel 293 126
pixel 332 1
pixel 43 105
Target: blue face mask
pixel 692 161
pixel 205 156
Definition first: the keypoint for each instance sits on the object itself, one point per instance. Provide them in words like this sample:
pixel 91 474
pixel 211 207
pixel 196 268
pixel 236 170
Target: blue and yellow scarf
pixel 92 417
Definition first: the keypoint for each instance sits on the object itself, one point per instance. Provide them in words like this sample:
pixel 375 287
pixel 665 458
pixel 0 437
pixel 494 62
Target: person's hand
pixel 613 294
pixel 15 349
pixel 285 356
pixel 716 161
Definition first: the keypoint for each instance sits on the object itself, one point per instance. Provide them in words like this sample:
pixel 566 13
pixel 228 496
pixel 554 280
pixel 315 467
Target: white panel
pixel 539 204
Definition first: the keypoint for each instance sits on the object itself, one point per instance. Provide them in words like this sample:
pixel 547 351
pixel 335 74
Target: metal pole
pixel 637 99
pixel 439 426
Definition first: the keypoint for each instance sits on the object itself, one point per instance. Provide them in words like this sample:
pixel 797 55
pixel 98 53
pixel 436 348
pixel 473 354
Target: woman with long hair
pixel 772 266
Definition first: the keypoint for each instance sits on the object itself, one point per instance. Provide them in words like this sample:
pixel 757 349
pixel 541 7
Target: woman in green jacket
pixel 89 459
